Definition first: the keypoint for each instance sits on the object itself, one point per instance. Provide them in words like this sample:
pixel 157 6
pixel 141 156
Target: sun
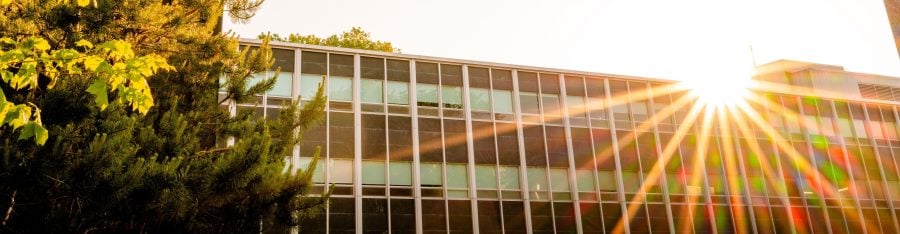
pixel 719 92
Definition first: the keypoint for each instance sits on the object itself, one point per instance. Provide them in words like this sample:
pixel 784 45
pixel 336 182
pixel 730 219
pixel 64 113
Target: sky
pixel 676 40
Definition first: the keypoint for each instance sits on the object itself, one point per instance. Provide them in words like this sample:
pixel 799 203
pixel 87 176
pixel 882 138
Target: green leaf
pixel 83 3
pixel 34 129
pixel 98 88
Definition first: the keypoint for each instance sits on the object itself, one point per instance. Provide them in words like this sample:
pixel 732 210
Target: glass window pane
pixel 509 177
pixel 370 90
pixel 398 70
pixel 607 180
pixel 340 171
pixel 282 85
pixel 431 174
pixel 560 179
pixel 551 104
pixel 309 84
pixel 371 68
pixel 503 101
pixel 576 106
pixel 318 174
pixel 398 92
pixel 427 95
pixel 401 173
pixel 373 172
pixel 452 96
pixel 340 88
pixel 537 179
pixel 313 63
pixel 585 180
pixel 480 99
pixel 529 102
pixel 485 178
pixel 340 65
pixel 456 176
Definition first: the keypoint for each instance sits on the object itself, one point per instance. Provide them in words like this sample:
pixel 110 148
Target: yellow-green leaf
pixel 98 89
pixel 34 129
pixel 84 43
pixel 92 62
pixel 83 3
pixel 5 2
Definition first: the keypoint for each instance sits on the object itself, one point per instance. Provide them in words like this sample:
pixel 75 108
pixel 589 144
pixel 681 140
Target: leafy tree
pixel 133 140
pixel 355 38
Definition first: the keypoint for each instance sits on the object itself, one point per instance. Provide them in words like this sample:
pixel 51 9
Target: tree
pixel 355 38
pixel 139 147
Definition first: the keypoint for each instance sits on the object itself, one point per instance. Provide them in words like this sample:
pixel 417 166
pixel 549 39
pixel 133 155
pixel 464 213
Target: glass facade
pixel 433 146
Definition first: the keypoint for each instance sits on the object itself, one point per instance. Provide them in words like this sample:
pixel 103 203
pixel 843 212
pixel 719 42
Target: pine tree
pixel 107 166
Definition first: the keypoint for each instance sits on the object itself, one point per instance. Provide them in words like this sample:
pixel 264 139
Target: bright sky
pixel 682 40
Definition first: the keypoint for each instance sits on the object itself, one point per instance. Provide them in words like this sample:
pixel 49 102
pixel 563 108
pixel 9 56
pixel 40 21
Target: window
pixel 309 84
pixel 373 173
pixel 503 101
pixel 457 181
pixel 485 176
pixel 340 171
pixel 557 151
pixel 313 63
pixel 373 137
pixel 456 150
pixel 534 145
pixel 371 90
pixel 585 180
pixel 537 183
pixel 551 104
pixel 398 70
pixel 398 93
pixel 485 152
pixel 509 177
pixel 560 179
pixel 340 88
pixel 371 68
pixel 340 135
pixel 507 144
pixel 375 215
pixel 318 174
pixel 452 96
pixel 529 103
pixel 401 173
pixel 431 147
pixel 480 99
pixel 430 174
pixel 400 136
pixel 427 95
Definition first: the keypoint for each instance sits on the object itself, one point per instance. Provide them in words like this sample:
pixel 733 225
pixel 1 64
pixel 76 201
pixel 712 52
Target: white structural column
pixel 414 121
pixel 659 163
pixel 573 186
pixel 295 96
pixel 473 192
pixel 523 177
pixel 620 188
pixel 357 146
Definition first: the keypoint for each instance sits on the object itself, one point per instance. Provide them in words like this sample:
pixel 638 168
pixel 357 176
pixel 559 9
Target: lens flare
pixel 719 92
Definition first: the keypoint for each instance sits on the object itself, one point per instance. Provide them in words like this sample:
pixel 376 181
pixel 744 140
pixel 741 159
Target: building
pixel 416 144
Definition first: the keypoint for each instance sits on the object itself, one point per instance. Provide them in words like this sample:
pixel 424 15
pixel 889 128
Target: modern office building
pixel 417 144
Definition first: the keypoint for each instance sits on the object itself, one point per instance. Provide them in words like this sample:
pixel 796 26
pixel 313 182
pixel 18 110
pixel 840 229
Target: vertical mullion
pixel 414 125
pixel 651 109
pixel 357 146
pixel 779 168
pixel 615 146
pixel 523 178
pixel 573 186
pixel 470 147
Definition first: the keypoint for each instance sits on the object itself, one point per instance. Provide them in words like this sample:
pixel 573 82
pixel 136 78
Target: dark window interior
pixel 430 144
pixel 483 141
pixel 375 215
pixel 400 136
pixel 581 147
pixel 371 68
pixel 501 79
pixel 313 63
pixel 541 217
pixel 398 70
pixel 534 145
pixel 507 144
pixel 434 217
pixel 564 215
pixel 460 217
pixel 451 75
pixel 489 217
pixel 557 151
pixel 341 215
pixel 403 216
pixel 528 82
pixel 550 83
pixel 426 73
pixel 373 137
pixel 341 65
pixel 479 78
pixel 574 86
pixel 340 134
pixel 455 140
pixel 513 216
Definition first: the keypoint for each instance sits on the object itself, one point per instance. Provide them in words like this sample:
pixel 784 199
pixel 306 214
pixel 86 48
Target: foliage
pixel 355 38
pixel 113 64
pixel 134 128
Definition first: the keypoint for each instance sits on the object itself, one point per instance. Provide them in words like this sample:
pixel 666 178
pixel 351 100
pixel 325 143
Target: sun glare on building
pixel 719 92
